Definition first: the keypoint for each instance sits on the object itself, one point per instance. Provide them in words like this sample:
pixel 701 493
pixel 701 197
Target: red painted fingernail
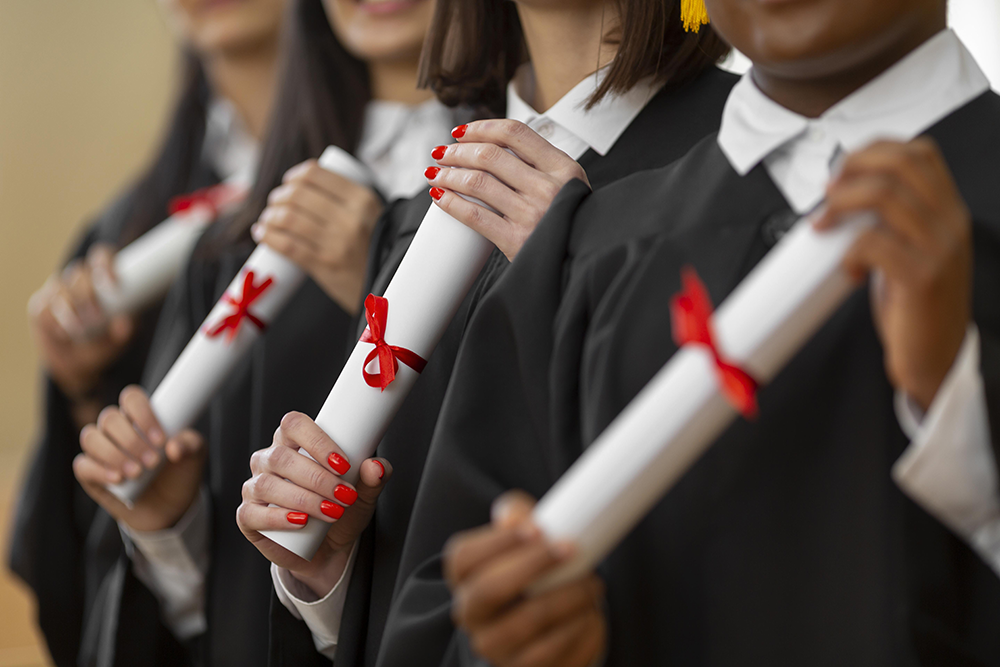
pixel 381 469
pixel 439 152
pixel 331 509
pixel 338 463
pixel 298 518
pixel 430 173
pixel 437 193
pixel 345 494
pixel 459 131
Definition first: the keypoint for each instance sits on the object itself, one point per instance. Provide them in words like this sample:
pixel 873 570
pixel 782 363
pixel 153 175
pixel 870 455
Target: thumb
pixel 373 477
pixel 512 508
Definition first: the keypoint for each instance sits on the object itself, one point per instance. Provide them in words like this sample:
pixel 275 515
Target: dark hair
pixel 172 170
pixel 321 97
pixel 475 46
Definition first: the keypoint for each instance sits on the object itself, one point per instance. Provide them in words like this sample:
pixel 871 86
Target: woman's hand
pixel 520 183
pixel 489 570
pixel 76 339
pixel 323 222
pixel 922 250
pixel 127 440
pixel 302 488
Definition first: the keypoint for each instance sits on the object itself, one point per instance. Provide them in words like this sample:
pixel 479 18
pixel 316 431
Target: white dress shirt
pixel 949 467
pixel 571 128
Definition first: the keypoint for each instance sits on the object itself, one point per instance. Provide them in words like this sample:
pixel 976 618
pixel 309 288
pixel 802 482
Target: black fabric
pixel 54 514
pixel 787 543
pixel 669 125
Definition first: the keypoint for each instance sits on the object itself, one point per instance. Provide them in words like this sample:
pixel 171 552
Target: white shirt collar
pixel 599 127
pixel 927 85
pixel 228 147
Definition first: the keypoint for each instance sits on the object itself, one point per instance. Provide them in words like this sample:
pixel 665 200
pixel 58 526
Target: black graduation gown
pixel 292 367
pixel 787 543
pixel 667 127
pixel 54 514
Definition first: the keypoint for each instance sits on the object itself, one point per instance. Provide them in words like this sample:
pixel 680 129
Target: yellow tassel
pixel 693 14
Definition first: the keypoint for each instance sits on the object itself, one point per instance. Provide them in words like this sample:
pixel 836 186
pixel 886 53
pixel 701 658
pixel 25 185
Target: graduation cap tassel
pixel 693 14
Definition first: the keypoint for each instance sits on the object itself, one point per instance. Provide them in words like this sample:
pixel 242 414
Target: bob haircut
pixel 474 47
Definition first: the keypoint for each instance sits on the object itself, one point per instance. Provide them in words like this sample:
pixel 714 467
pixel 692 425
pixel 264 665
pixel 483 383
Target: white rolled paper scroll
pixel 768 317
pixel 439 268
pixel 267 281
pixel 146 268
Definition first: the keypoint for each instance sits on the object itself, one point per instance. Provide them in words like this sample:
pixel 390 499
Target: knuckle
pixel 105 416
pixel 292 420
pixel 476 181
pixel 513 129
pixel 488 154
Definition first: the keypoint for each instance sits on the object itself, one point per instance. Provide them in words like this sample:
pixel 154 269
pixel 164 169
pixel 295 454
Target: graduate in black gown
pixel 348 79
pixel 650 101
pixel 805 536
pixel 88 358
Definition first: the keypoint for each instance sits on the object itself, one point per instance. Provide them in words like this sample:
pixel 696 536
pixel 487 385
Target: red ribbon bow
pixel 214 198
pixel 389 356
pixel 231 323
pixel 691 313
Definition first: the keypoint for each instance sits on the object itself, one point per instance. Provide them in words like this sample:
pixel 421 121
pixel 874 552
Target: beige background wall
pixel 84 89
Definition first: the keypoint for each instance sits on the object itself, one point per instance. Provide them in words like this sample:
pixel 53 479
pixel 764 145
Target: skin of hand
pixel 76 339
pixel 301 488
pixel 922 250
pixel 519 186
pixel 323 222
pixel 127 439
pixel 488 570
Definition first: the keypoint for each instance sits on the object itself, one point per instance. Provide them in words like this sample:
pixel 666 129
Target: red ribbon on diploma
pixel 691 313
pixel 214 198
pixel 389 356
pixel 231 323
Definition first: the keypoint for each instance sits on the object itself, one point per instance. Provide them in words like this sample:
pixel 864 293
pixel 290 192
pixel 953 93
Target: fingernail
pixel 438 153
pixel 381 469
pixel 155 435
pixel 150 459
pixel 256 232
pixel 338 463
pixel 459 131
pixel 345 494
pixel 297 518
pixel 331 509
pixel 131 468
pixel 431 173
pixel 437 193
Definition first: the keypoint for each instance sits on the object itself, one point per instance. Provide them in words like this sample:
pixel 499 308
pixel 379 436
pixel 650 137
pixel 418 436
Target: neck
pixel 811 88
pixel 565 46
pixel 396 81
pixel 247 80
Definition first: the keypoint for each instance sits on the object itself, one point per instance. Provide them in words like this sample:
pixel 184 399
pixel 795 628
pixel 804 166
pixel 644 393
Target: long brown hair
pixel 475 46
pixel 321 97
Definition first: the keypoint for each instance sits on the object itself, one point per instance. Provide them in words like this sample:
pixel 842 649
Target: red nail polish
pixel 437 193
pixel 431 173
pixel 345 494
pixel 438 153
pixel 381 469
pixel 459 131
pixel 338 463
pixel 331 509
pixel 298 518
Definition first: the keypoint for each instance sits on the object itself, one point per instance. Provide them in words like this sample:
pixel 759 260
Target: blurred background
pixel 84 90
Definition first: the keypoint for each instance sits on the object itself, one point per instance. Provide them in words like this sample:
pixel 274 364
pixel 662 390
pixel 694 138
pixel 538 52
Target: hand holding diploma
pixel 489 571
pixel 124 440
pixel 287 488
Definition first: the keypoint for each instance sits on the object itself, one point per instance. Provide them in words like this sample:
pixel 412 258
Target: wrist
pixel 323 576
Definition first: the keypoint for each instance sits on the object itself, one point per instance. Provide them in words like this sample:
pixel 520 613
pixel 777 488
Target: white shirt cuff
pixel 321 615
pixel 173 564
pixel 949 468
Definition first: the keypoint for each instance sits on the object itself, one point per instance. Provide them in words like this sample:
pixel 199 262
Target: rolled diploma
pixel 439 268
pixel 681 412
pixel 145 268
pixel 205 364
